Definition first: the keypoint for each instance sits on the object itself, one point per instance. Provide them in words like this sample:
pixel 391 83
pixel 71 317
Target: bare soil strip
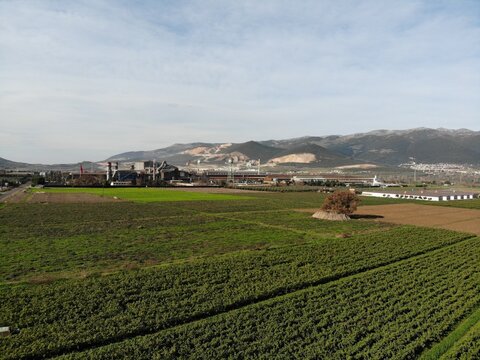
pixel 66 198
pixel 15 194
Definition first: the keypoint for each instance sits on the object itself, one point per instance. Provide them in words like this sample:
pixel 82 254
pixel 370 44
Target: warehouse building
pixel 426 195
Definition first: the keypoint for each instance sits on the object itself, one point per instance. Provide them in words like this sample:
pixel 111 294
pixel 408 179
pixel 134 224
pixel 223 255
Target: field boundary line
pixel 438 350
pixel 263 298
pixel 294 230
pixel 271 226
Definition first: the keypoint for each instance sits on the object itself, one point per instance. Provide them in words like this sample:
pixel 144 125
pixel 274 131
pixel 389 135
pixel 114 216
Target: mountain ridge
pixel 381 147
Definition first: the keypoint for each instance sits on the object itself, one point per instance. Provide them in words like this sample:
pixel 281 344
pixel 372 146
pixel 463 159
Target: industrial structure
pixel 426 195
pixel 145 173
pixel 219 177
pixel 153 173
pixel 338 178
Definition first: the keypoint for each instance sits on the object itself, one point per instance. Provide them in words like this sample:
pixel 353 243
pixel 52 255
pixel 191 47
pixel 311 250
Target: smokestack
pixel 109 171
pixel 154 170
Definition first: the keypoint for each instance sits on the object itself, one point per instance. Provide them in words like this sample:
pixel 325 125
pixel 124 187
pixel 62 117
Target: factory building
pixel 220 177
pixel 145 173
pixel 324 178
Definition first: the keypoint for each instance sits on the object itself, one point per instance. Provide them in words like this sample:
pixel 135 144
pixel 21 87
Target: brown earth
pixel 465 220
pixel 16 197
pixel 450 218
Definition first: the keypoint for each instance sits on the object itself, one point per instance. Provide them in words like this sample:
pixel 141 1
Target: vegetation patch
pixel 213 279
pixel 462 343
pixel 391 312
pixel 138 302
pixel 146 195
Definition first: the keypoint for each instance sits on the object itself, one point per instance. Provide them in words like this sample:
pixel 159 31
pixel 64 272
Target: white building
pixel 426 195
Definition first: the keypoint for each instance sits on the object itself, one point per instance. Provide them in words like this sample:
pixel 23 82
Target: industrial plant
pixel 154 173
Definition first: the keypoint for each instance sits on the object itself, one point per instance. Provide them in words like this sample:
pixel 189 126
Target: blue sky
pixel 83 80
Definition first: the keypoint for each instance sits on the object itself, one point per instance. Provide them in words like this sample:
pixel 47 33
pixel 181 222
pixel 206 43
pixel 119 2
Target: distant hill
pixel 311 153
pixel 13 165
pixel 425 145
pixel 306 153
pixel 253 150
pixel 380 147
pixel 7 164
pixel 383 147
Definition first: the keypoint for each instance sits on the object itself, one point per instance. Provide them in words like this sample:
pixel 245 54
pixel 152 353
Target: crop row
pixel 467 348
pixel 68 315
pixel 394 312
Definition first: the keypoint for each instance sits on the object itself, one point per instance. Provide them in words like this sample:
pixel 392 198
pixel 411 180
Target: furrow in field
pixel 457 341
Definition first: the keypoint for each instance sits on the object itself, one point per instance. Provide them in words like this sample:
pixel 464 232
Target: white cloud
pixel 87 79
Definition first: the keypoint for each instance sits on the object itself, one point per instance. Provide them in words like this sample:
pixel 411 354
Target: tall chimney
pixel 109 171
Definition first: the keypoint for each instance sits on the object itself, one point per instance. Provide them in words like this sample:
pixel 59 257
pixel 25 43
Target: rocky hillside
pixel 380 147
pixel 385 147
pixel 251 151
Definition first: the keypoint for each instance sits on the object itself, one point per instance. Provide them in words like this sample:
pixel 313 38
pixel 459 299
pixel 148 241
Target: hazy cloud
pixel 87 79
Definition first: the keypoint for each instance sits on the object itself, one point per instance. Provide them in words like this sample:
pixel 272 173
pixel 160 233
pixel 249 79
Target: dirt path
pixel 66 198
pixel 57 198
pixel 14 194
pixel 466 220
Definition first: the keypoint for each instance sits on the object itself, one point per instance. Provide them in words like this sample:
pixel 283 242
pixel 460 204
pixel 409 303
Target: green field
pixel 153 195
pixel 145 195
pixel 246 277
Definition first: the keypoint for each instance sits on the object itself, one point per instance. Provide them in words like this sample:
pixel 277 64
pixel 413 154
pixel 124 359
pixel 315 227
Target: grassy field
pixel 144 195
pixel 246 277
pixel 301 199
pixel 41 242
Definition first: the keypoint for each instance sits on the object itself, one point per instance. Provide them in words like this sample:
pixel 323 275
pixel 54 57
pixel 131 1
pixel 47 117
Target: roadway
pixel 4 196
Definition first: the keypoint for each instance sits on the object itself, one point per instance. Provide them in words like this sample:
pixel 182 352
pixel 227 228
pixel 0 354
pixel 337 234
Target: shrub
pixel 341 202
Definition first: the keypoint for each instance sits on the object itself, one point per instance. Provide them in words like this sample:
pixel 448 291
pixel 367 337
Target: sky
pixel 84 80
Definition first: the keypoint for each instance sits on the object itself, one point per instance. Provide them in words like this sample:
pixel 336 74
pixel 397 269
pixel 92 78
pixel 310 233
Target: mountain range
pixel 379 147
pixel 13 165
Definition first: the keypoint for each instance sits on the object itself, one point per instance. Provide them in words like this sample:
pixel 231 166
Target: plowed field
pixel 465 220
